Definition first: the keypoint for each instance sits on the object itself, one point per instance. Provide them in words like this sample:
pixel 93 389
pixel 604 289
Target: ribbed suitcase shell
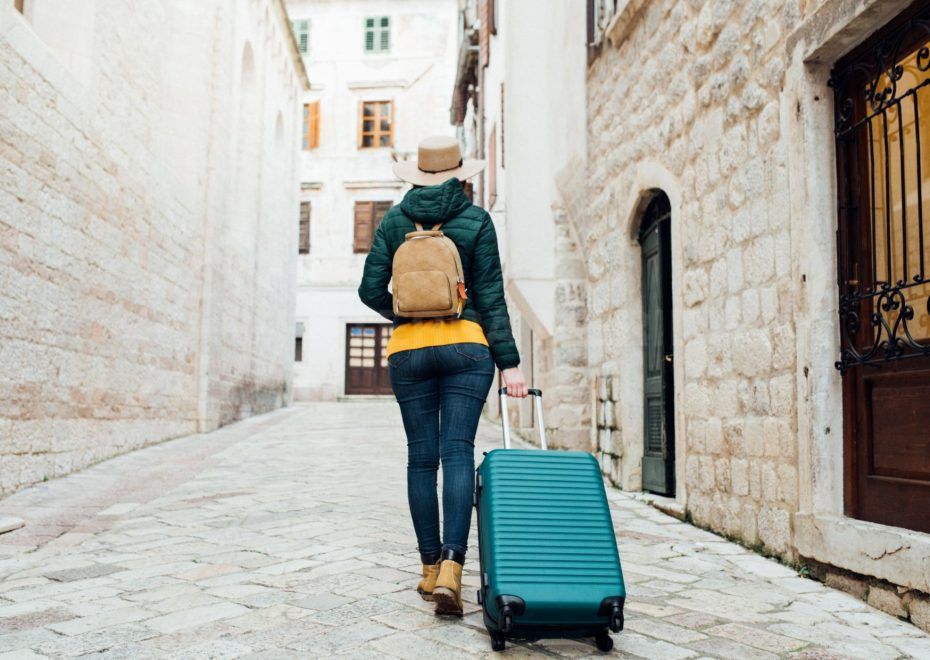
pixel 546 536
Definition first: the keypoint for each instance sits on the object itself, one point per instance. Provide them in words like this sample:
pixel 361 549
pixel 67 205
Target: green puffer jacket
pixel 472 231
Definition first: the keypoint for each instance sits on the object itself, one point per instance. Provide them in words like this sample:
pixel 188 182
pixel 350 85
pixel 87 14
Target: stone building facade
pixel 522 108
pixel 714 119
pixel 367 56
pixel 148 185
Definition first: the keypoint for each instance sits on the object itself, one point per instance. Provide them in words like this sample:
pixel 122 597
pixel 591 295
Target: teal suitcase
pixel 549 560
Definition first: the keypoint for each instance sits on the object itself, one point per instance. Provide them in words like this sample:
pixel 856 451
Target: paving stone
pixel 410 646
pixel 196 616
pixel 664 630
pixel 646 647
pixel 322 601
pixel 755 637
pixel 96 622
pixel 21 654
pixel 694 620
pixel 727 648
pixel 10 523
pixel 294 563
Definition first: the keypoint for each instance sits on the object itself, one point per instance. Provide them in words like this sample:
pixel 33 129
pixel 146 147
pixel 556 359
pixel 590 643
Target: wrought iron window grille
pixel 884 304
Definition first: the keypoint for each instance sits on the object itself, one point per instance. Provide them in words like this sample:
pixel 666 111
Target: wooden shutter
pixel 492 168
pixel 18 5
pixel 368 216
pixel 380 209
pixel 364 227
pixel 304 244
pixel 503 142
pixel 591 21
pixel 313 125
pixel 305 139
pixel 484 32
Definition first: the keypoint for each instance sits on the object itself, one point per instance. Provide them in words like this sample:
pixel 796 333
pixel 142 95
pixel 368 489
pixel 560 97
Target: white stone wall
pixel 697 112
pixel 538 55
pixel 147 196
pixel 724 106
pixel 417 76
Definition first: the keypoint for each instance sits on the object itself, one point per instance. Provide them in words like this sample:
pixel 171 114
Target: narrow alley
pixel 287 535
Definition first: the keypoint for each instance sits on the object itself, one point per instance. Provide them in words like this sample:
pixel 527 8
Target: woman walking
pixel 442 368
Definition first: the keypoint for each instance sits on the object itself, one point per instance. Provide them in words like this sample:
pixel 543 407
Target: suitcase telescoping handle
pixel 537 404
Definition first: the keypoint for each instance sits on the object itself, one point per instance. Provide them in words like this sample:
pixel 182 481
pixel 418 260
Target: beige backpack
pixel 427 276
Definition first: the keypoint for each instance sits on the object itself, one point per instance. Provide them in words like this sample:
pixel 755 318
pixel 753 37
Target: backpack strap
pixel 420 227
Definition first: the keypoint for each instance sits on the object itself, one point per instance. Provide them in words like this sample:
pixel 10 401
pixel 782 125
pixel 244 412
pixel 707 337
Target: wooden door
pixel 658 412
pixel 883 162
pixel 366 358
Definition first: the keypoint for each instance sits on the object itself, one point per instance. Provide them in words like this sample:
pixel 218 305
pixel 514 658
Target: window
pixel 367 217
pixel 311 133
pixel 298 349
pixel 377 34
pixel 376 125
pixel 303 246
pixel 883 149
pixel 302 35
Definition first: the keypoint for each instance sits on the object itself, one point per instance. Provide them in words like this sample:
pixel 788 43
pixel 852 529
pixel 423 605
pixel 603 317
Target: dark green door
pixel 659 418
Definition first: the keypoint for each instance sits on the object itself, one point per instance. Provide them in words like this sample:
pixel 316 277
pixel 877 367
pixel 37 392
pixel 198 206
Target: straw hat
pixel 439 158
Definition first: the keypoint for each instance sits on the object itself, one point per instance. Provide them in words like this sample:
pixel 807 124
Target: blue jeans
pixel 441 390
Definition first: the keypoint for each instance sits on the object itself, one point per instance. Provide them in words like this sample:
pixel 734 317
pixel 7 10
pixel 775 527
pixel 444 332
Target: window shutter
pixel 503 141
pixel 492 168
pixel 484 33
pixel 302 35
pixel 369 34
pixel 591 20
pixel 304 241
pixel 385 34
pixel 380 209
pixel 313 128
pixel 305 140
pixel 364 226
pixel 305 37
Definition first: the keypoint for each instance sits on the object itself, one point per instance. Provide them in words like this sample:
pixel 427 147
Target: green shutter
pixel 378 34
pixel 302 35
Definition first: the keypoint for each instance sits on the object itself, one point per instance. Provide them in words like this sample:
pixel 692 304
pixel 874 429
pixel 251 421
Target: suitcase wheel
pixel 506 621
pixel 616 620
pixel 498 643
pixel 604 641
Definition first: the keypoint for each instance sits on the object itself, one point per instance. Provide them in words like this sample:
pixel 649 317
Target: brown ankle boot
pixel 447 594
pixel 426 585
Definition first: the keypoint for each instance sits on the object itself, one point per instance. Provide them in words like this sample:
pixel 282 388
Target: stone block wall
pixel 561 361
pixel 607 427
pixel 143 294
pixel 688 100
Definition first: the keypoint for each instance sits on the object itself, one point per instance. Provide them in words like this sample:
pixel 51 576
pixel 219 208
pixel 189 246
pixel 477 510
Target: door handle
pixel 668 358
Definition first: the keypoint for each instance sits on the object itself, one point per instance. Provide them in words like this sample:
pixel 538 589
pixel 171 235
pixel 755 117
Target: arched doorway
pixel 655 239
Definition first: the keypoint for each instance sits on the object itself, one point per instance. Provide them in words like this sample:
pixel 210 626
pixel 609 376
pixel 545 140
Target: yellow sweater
pixel 434 332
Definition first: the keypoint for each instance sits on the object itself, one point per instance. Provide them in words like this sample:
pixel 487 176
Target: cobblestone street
pixel 287 535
